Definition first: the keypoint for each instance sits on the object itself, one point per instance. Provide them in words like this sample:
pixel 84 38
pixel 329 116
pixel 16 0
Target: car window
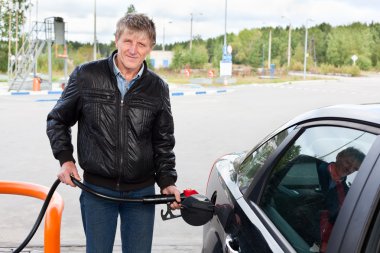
pixel 309 182
pixel 256 160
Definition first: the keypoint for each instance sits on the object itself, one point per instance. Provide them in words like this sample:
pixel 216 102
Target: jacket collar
pixel 110 64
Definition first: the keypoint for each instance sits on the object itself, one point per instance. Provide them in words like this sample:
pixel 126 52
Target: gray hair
pixel 137 22
pixel 352 152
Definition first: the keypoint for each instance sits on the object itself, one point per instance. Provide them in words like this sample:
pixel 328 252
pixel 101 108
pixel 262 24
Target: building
pixel 161 59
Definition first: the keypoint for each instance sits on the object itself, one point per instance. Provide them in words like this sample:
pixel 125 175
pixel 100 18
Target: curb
pixel 200 92
pixel 59 92
pixel 25 93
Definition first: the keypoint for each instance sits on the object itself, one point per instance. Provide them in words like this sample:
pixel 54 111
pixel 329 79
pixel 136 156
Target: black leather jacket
pixel 123 143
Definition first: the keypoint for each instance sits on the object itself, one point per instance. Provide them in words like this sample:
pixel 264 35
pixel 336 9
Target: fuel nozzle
pixel 196 209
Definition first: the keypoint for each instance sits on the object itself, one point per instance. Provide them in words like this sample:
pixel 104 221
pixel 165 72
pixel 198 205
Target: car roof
pixel 363 113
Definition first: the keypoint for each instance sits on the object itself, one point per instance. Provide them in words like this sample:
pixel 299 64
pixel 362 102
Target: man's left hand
pixel 172 189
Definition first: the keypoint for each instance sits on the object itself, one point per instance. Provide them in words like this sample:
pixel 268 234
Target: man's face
pixel 347 165
pixel 133 47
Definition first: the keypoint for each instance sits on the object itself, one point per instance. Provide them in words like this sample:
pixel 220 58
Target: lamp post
pixel 191 28
pixel 289 40
pixel 225 25
pixel 10 7
pixel 270 47
pixel 305 53
pixel 94 30
pixel 17 7
pixel 163 35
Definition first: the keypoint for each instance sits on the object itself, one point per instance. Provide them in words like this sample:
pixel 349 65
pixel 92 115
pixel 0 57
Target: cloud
pixel 79 15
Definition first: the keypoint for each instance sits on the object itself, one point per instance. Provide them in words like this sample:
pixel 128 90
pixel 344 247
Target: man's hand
pixel 67 169
pixel 172 189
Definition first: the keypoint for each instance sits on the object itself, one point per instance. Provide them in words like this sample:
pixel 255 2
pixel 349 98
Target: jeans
pixel 100 217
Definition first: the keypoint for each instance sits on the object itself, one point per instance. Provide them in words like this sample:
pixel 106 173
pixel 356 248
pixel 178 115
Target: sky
pixel 173 17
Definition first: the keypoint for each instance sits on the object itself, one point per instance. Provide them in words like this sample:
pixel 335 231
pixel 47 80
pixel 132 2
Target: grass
pixel 181 78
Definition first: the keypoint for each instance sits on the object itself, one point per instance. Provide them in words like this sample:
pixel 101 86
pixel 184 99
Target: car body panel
pixel 232 209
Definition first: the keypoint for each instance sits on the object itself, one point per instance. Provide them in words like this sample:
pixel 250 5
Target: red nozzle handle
pixel 189 192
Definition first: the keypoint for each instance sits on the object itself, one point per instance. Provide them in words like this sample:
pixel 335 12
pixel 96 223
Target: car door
pixel 359 219
pixel 236 227
pixel 288 196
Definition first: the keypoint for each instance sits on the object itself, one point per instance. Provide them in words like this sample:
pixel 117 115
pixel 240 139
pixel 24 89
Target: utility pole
pixel 94 30
pixel 191 29
pixel 16 34
pixel 289 40
pixel 10 7
pixel 225 25
pixel 270 47
pixel 289 44
pixel 305 53
pixel 163 35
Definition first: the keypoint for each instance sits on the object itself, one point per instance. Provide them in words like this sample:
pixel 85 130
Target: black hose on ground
pixel 39 218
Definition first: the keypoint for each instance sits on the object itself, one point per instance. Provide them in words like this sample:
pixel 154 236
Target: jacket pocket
pixel 98 96
pixel 98 106
pixel 142 120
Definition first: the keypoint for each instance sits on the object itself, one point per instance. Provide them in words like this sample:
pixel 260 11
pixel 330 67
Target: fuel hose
pixel 196 209
pixel 39 218
pixel 155 199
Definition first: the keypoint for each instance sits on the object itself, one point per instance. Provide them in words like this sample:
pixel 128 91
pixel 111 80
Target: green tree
pixel 197 57
pixel 131 9
pixel 345 41
pixel 320 34
pixel 375 50
pixel 12 15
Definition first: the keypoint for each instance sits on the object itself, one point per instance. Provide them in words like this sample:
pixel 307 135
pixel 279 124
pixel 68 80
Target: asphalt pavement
pixel 207 126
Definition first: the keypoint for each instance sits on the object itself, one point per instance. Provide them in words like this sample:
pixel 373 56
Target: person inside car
pixel 332 177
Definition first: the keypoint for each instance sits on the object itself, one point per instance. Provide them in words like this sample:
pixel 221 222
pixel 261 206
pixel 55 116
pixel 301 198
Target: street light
pixel 289 40
pixel 94 30
pixel 270 47
pixel 191 28
pixel 10 7
pixel 305 53
pixel 163 35
pixel 225 25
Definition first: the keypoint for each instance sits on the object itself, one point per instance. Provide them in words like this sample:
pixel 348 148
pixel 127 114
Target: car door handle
pixel 232 245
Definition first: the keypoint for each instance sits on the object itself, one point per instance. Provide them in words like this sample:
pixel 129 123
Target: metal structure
pixel 52 231
pixel 24 62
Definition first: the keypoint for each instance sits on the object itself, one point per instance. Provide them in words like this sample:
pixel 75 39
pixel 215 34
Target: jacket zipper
pixel 121 139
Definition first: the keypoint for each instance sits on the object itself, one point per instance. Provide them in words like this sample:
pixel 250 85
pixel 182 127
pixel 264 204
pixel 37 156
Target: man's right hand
pixel 67 169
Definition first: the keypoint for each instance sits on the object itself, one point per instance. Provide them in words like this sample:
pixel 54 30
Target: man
pixel 125 138
pixel 332 177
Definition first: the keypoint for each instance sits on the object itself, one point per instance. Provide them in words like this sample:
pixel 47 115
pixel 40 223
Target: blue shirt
pixel 122 83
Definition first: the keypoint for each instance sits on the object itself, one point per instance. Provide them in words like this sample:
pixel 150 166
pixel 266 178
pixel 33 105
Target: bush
pixel 364 63
pixel 3 61
pixel 297 66
pixel 327 69
pixel 351 70
pixel 331 69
